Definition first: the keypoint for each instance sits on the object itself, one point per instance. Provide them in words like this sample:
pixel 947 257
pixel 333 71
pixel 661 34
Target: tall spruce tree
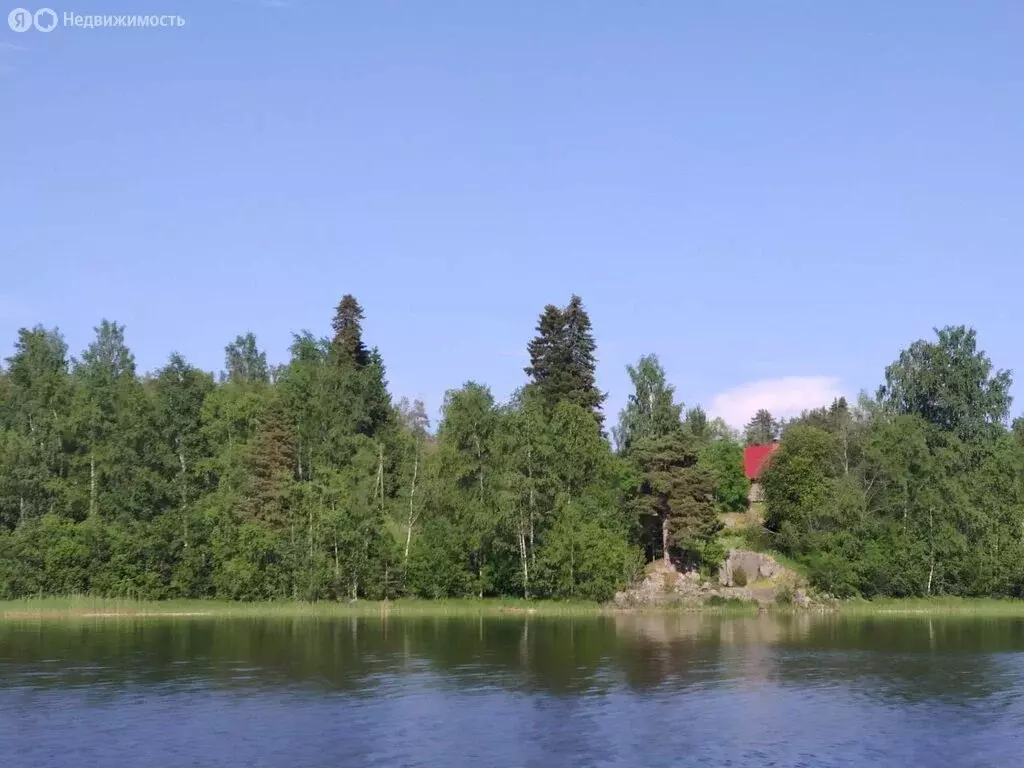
pixel 347 344
pixel 562 358
pixel 270 462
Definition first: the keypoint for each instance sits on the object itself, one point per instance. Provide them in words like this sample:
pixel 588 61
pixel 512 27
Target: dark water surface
pixel 522 691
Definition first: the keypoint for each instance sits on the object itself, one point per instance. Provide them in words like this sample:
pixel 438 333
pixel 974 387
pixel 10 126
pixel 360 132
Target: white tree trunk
pixel 92 484
pixel 523 558
pixel 412 497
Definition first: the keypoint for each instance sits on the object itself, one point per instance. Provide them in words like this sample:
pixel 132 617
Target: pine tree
pixel 762 428
pixel 676 492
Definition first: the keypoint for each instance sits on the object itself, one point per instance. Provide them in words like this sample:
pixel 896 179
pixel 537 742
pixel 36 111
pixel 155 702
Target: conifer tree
pixel 761 429
pixel 270 462
pixel 347 344
pixel 562 360
pixel 676 492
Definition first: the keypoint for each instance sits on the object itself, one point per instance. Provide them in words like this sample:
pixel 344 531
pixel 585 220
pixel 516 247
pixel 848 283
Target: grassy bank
pixel 934 606
pixel 110 608
pixel 97 607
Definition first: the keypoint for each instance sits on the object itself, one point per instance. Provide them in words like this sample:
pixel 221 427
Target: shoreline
pixel 89 608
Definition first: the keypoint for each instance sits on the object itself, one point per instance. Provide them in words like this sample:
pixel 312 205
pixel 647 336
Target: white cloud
pixel 785 397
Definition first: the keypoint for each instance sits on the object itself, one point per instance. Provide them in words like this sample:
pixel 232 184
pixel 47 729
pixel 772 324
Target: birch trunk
pixel 92 484
pixel 412 497
pixel 526 571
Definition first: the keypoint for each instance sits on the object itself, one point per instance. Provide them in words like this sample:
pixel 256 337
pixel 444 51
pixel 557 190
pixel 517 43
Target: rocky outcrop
pixel 754 566
pixel 766 581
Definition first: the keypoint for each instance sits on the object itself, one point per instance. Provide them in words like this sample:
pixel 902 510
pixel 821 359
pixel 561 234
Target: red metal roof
pixel 755 457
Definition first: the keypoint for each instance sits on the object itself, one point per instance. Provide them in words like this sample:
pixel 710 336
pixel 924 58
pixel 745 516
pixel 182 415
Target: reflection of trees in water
pixel 895 658
pixel 907 658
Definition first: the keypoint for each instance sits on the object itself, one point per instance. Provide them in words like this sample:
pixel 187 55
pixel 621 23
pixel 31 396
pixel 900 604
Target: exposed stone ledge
pixel 766 579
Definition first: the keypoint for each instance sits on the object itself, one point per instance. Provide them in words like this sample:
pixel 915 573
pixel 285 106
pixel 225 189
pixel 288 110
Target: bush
pixel 757 538
pixel 711 557
pixel 739 577
pixel 717 601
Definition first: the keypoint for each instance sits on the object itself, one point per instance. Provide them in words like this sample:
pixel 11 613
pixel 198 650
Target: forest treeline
pixel 306 481
pixel 916 491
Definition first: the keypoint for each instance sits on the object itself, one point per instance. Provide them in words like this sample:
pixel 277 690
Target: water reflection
pixel 905 658
pixel 518 690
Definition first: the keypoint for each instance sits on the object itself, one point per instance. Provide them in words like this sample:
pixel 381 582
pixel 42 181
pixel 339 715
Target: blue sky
pixel 754 191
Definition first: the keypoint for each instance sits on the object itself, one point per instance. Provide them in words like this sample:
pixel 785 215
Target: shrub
pixel 739 577
pixel 717 601
pixel 711 557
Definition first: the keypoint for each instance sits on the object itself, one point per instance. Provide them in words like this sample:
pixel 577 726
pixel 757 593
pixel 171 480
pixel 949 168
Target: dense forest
pixel 307 481
pixel 917 491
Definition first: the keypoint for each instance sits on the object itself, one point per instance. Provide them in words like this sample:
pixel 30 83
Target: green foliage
pixel 245 362
pixel 651 411
pixel 712 556
pixel 724 460
pixel 762 428
pixel 562 360
pixel 718 601
pixel 920 497
pixel 305 482
pixel 739 577
pixel 676 491
pixel 948 383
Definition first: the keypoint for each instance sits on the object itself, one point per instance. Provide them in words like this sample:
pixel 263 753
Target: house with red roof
pixel 755 459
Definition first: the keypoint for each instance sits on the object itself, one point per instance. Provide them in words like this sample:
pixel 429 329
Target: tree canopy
pixel 308 480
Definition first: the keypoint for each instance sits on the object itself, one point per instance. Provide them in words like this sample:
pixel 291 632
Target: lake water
pixel 520 691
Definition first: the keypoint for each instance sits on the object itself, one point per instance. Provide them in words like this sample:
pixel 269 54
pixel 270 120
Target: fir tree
pixel 269 462
pixel 562 360
pixel 347 344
